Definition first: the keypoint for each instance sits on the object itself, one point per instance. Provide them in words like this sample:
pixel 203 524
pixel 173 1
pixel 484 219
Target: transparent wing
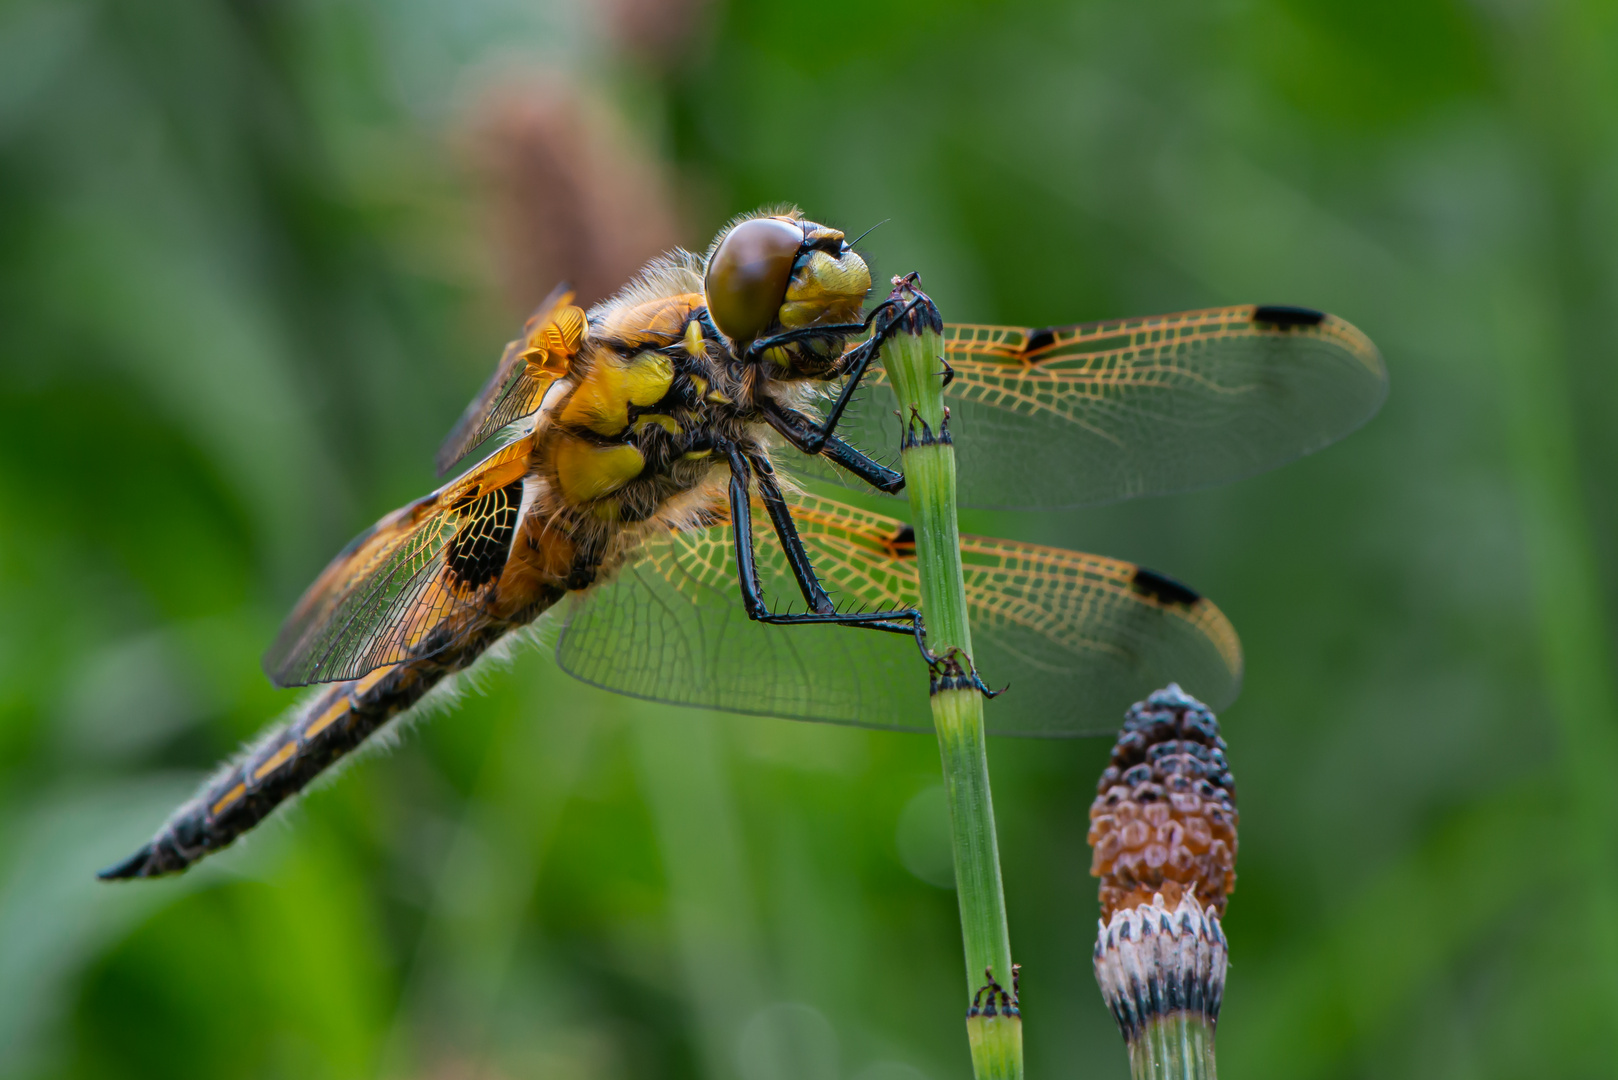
pixel 411 584
pixel 1094 413
pixel 1081 637
pixel 1077 637
pixel 550 338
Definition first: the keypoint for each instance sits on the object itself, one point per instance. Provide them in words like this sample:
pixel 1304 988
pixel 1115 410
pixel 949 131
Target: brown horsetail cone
pixel 1164 817
pixel 1163 826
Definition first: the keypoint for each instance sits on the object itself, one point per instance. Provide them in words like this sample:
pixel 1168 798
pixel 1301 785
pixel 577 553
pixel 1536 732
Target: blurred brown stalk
pixel 571 195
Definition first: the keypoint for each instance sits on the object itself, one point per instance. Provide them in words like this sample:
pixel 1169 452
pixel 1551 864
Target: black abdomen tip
pixel 137 865
pixel 1287 315
pixel 158 858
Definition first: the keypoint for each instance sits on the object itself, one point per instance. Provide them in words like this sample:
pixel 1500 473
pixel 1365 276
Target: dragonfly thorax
pixel 631 444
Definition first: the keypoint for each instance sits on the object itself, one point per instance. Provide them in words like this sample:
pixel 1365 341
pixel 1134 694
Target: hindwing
pixel 1078 637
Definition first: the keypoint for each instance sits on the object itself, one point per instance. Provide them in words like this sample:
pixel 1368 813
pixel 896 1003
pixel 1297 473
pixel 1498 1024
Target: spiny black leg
pixel 950 673
pixel 802 433
pixel 854 365
pixel 793 426
pixel 873 472
pixel 805 333
pixel 905 621
pixel 781 517
pixel 947 667
pixel 741 524
pixel 886 323
pixel 859 361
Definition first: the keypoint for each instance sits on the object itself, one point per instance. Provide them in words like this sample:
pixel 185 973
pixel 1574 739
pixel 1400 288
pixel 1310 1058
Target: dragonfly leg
pixel 885 321
pixel 803 434
pixel 873 472
pixel 898 621
pixel 769 491
pixel 806 333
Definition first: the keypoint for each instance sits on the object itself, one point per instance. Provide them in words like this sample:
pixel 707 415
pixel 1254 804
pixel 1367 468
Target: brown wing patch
pixel 412 584
pixel 478 552
pixel 544 352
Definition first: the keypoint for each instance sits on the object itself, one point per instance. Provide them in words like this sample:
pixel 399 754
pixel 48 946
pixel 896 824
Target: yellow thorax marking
pixel 585 472
pixel 694 345
pixel 649 376
pixel 667 423
pixel 601 403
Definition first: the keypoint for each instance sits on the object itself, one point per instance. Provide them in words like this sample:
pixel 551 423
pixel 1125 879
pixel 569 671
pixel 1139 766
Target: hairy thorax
pixel 629 444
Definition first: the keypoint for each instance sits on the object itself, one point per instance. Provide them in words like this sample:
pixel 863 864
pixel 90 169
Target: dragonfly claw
pixel 948 673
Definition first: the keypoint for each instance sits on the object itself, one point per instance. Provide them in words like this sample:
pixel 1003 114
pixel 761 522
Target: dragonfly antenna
pixel 869 231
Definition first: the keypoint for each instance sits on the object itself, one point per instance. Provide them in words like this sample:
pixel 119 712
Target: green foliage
pixel 243 292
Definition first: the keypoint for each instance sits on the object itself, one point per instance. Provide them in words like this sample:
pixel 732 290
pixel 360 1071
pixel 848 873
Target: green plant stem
pixel 914 364
pixel 1174 1047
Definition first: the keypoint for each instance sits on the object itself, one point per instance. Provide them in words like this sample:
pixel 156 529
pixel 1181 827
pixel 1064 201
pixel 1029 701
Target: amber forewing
pixel 411 584
pixel 1093 413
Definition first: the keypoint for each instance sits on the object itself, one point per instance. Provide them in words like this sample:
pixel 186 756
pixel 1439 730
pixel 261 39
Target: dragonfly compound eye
pixel 747 277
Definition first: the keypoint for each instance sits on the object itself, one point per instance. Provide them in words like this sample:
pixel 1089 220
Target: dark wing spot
pixel 902 544
pixel 1163 589
pixel 1285 315
pixel 478 552
pixel 1039 339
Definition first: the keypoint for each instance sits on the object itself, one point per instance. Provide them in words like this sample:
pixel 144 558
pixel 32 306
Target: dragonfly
pixel 624 504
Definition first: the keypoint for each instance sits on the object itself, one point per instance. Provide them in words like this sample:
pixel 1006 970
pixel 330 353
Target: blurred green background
pixel 255 256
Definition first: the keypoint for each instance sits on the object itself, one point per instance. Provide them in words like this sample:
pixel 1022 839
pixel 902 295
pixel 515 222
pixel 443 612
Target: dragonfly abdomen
pixel 324 729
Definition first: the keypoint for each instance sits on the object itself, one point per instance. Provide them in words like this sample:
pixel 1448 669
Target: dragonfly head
pixel 769 275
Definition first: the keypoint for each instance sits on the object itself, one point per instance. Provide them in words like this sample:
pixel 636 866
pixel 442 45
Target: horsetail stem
pixel 913 358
